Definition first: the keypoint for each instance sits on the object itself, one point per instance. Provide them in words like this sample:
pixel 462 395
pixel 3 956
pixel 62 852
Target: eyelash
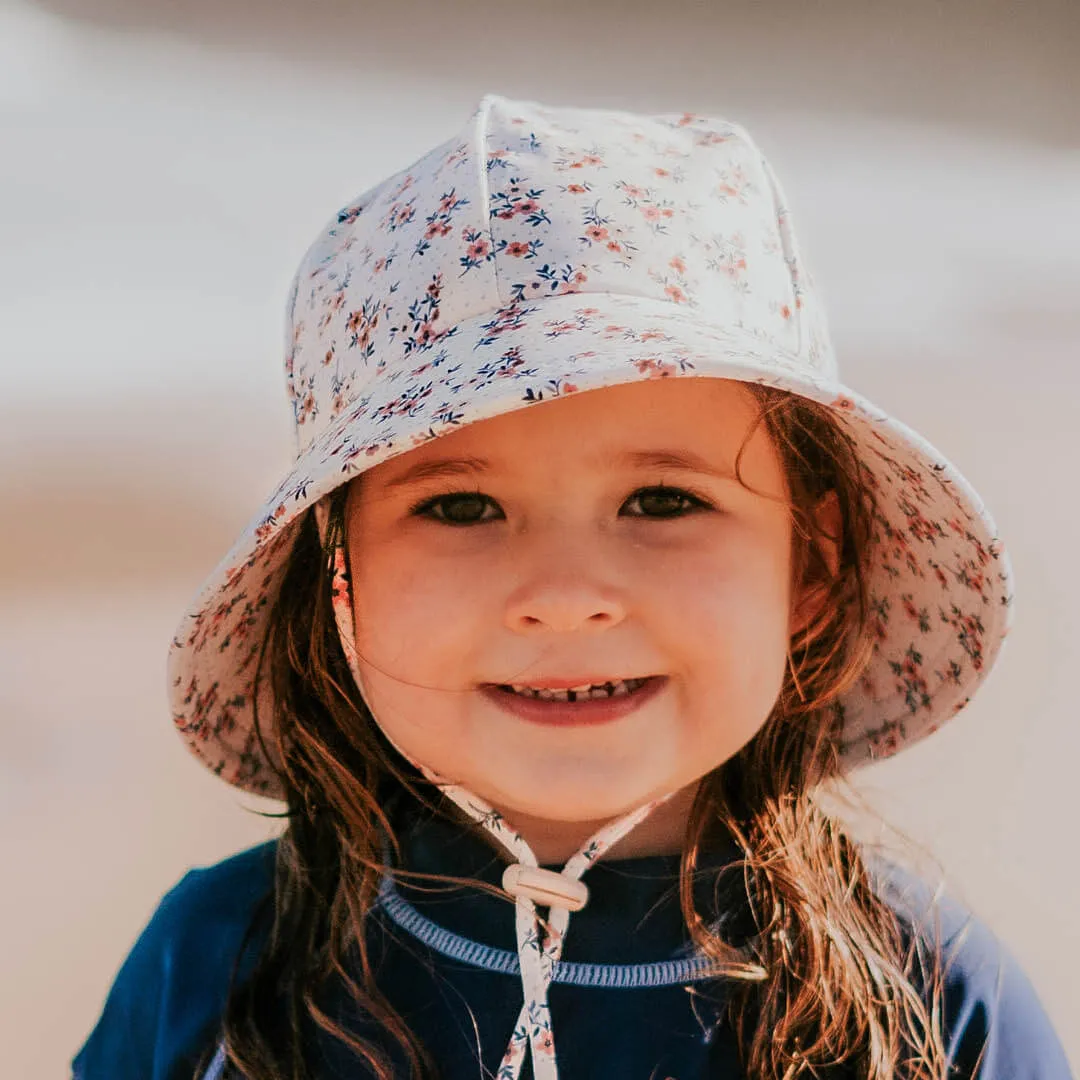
pixel 425 506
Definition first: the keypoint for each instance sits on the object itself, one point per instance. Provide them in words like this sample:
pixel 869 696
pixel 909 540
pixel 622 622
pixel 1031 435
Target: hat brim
pixel 940 581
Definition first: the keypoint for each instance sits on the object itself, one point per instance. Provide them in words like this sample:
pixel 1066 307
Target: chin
pixel 567 802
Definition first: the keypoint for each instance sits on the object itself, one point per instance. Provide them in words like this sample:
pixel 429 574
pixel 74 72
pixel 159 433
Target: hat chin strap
pixel 539 942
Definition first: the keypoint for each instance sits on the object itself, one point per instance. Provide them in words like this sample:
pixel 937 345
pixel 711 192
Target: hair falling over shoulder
pixel 828 977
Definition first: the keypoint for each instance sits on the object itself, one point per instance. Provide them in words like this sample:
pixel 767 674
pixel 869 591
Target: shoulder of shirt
pixel 168 995
pixel 990 1005
pixel 222 892
pixel 212 906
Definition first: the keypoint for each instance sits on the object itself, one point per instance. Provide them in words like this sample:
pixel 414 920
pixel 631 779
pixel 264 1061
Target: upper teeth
pixel 616 688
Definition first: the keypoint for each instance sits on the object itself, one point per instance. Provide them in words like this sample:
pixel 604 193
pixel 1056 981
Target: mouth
pixel 594 703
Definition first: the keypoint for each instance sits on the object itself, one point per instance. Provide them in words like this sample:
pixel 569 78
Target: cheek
pixel 730 617
pixel 414 624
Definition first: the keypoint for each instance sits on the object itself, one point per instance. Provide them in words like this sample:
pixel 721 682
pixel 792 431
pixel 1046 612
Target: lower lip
pixel 569 714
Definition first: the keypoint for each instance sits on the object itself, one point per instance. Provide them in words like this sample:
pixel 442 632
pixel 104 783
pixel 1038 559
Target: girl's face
pixel 555 556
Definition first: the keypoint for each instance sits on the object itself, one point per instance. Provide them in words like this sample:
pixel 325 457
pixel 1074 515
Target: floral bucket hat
pixel 543 252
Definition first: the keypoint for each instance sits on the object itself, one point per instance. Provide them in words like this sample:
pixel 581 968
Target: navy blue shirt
pixel 627 1000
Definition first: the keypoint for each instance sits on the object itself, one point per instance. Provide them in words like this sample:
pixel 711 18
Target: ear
pixel 810 593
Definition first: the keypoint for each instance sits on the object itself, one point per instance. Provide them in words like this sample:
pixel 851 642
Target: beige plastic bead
pixel 545 887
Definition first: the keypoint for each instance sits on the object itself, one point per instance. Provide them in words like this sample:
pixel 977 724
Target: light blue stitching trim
pixel 216 1067
pixel 695 968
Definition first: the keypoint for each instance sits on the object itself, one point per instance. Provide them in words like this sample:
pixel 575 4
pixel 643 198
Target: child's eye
pixel 470 500
pixel 464 507
pixel 672 497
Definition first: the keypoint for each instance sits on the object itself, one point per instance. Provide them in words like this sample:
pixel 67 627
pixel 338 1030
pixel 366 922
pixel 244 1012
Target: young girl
pixel 589 579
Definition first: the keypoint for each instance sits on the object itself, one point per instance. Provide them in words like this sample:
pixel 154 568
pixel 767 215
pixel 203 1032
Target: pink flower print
pixel 550 281
pixel 651 213
pixel 880 609
pixel 596 232
pixel 478 249
pixel 437 228
pixel 510 202
pixel 361 324
pixel 632 191
pixel 456 156
pixel 348 215
pixel 969 634
pixel 885 743
pixel 577 189
pixel 675 294
pixel 399 215
pixel 710 138
pixel 614 245
pixel 661 172
pixel 328 359
pixel 406 183
pixel 678 264
pixel 546 1044
pixel 652 368
pixel 973 581
pixel 340 403
pixel 910 682
pixel 517 249
pixel 942 580
pixel 508 319
pixel 917 615
pixel 555 329
pixel 733 184
pixel 843 403
pixel 554 387
pixel 266 527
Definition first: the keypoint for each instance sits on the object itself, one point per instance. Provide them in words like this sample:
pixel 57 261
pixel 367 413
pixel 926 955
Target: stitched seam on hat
pixel 612 976
pixel 485 192
pixel 786 232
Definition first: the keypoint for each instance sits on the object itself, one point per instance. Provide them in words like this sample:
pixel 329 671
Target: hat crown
pixel 531 202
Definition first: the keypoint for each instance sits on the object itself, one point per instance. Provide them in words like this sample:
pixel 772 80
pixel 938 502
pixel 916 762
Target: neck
pixel 555 842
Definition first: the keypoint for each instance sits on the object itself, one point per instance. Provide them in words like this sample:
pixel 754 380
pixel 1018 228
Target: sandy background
pixel 164 166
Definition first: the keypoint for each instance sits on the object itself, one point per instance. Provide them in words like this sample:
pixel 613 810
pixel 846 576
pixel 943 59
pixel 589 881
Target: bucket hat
pixel 549 251
pixel 543 252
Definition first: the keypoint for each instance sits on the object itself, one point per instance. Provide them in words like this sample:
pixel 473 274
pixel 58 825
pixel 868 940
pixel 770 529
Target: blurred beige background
pixel 162 169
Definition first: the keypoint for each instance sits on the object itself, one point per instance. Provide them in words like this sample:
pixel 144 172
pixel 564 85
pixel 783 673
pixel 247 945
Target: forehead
pixel 677 423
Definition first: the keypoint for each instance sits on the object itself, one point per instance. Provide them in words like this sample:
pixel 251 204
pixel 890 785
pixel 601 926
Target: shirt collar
pixel 632 916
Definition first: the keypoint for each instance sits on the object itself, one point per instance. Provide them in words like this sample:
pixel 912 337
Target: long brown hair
pixel 829 974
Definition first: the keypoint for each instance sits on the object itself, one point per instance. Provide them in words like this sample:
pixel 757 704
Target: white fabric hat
pixel 549 251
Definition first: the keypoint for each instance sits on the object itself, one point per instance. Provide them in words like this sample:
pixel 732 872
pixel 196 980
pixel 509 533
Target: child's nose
pixel 563 607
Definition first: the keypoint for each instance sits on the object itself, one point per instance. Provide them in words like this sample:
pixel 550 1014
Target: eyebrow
pixel 678 460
